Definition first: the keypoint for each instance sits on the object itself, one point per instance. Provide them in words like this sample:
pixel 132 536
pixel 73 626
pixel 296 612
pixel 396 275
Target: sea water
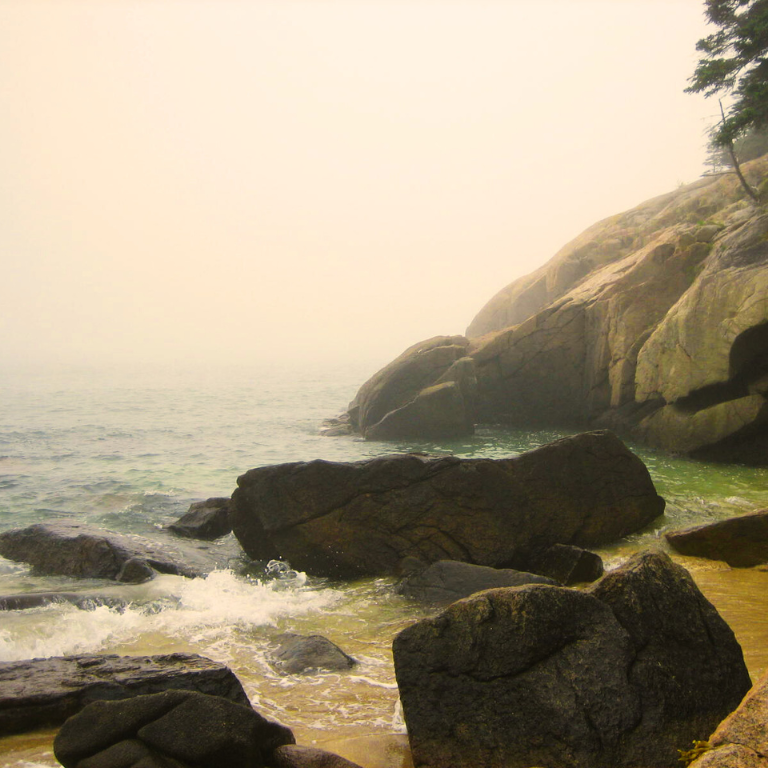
pixel 129 448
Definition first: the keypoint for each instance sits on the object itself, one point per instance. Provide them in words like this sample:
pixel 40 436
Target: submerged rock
pixel 298 654
pixel 622 674
pixel 41 693
pixel 362 518
pixel 741 541
pixel 205 520
pixel 181 729
pixel 293 756
pixel 449 580
pixel 26 600
pixel 67 548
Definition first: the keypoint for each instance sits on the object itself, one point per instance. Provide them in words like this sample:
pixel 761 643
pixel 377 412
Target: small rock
pixel 568 565
pixel 293 756
pixel 135 571
pixel 82 600
pixel 298 654
pixel 449 580
pixel 205 520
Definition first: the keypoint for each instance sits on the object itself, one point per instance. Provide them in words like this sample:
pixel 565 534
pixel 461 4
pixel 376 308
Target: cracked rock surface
pixel 362 518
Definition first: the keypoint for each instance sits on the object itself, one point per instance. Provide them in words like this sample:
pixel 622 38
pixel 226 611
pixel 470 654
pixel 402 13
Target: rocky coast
pixel 517 670
pixel 536 634
pixel 653 322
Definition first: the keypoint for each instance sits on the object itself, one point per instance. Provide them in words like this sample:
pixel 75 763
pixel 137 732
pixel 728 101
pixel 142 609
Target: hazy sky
pixel 256 179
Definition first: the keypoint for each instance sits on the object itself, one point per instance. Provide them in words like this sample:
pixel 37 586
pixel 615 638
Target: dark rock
pixel 42 693
pixel 622 674
pixel 206 520
pixel 135 571
pixel 741 541
pixel 182 728
pixel 297 654
pixel 362 518
pixel 568 564
pixel 741 740
pixel 67 548
pixel 449 580
pixel 85 601
pixel 293 756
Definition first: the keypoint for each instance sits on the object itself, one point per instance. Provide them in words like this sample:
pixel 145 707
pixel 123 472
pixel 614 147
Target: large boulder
pixel 622 674
pixel 741 541
pixel 67 548
pixel 429 391
pixel 180 729
pixel 362 518
pixel 41 693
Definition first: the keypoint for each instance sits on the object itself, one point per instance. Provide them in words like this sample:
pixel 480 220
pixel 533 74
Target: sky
pixel 255 180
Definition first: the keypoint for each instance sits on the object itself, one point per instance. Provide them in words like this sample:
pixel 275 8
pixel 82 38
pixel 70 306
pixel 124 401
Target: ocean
pixel 130 448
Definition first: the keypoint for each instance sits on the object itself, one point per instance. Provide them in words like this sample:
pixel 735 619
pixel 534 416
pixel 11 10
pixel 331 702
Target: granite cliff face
pixel 653 322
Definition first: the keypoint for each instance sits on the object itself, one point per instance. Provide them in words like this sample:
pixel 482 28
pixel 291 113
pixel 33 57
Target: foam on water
pixel 203 613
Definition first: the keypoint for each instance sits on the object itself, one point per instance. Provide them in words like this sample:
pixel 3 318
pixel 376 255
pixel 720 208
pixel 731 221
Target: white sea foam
pixel 191 612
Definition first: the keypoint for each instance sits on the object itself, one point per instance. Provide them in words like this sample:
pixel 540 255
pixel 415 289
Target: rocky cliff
pixel 653 322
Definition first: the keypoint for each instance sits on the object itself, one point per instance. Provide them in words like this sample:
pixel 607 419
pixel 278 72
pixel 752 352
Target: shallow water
pixel 130 451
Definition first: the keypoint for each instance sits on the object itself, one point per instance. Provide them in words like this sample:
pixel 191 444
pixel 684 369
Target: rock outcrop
pixel 67 548
pixel 41 693
pixel 173 729
pixel 653 322
pixel 740 541
pixel 362 518
pixel 622 674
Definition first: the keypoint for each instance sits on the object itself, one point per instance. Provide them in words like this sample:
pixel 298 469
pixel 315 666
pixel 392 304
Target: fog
pixel 214 180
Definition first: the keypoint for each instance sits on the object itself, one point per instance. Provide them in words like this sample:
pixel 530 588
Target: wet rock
pixel 622 674
pixel 568 564
pixel 135 571
pixel 177 728
pixel 741 541
pixel 41 693
pixel 362 518
pixel 207 520
pixel 298 654
pixel 293 756
pixel 449 580
pixel 67 548
pixel 27 600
